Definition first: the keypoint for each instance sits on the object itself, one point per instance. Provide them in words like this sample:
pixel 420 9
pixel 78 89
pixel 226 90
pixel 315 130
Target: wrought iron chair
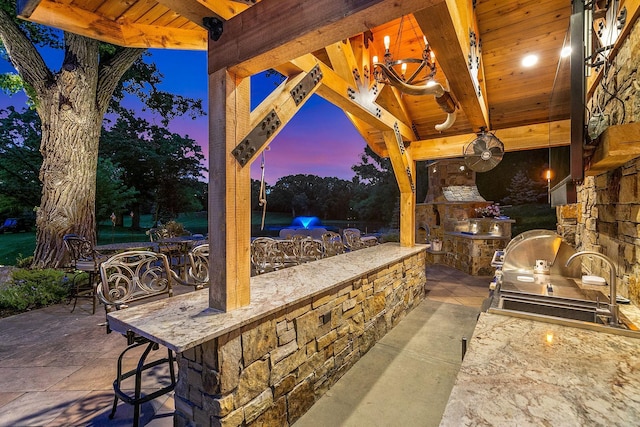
pixel 199 265
pixel 265 255
pixel 353 239
pixel 310 249
pixel 332 244
pixel 85 261
pixel 289 250
pixel 126 278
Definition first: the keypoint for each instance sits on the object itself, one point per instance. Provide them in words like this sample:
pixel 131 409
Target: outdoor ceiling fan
pixel 484 152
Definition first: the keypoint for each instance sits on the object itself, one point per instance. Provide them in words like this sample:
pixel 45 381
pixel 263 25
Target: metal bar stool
pixel 129 277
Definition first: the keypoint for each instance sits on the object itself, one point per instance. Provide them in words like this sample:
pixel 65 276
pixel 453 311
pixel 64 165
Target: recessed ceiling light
pixel 529 60
pixel 566 51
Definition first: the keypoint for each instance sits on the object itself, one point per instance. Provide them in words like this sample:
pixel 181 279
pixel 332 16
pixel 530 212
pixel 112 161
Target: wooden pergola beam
pixel 82 22
pixel 447 25
pixel 404 171
pixel 529 137
pixel 266 34
pixel 336 90
pixel 283 104
pixel 196 11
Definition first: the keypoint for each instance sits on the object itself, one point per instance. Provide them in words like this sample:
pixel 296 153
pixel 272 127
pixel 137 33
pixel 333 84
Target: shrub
pixel 29 289
pixel 24 262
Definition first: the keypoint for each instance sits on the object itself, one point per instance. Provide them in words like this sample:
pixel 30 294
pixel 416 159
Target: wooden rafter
pixel 266 35
pixel 446 26
pixel 529 137
pixel 334 89
pixel 365 131
pixel 343 61
pixel 80 21
pixel 196 11
pixel 282 103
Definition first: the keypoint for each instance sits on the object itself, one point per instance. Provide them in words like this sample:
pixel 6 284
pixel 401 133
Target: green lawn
pixel 21 245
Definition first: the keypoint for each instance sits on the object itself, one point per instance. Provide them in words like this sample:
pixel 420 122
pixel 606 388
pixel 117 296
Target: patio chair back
pixel 84 259
pixel 83 256
pixel 265 255
pixel 310 249
pixel 199 265
pixel 352 239
pixel 131 276
pixel 332 244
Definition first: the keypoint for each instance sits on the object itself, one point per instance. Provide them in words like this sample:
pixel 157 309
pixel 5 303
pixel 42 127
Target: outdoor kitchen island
pixel 530 373
pixel 268 362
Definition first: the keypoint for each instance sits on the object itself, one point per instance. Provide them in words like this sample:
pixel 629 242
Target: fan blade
pixel 478 149
pixel 496 152
pixel 472 161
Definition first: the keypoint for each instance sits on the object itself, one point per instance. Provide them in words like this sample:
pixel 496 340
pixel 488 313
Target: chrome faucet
pixel 613 293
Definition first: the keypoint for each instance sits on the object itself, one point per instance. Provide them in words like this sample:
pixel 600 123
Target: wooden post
pixel 408 217
pixel 404 169
pixel 229 193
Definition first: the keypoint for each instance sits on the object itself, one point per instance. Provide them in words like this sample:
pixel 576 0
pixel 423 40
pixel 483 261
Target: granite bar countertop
pixel 529 373
pixel 184 321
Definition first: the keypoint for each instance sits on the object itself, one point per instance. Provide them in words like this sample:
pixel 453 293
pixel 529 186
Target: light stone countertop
pixel 529 373
pixel 184 321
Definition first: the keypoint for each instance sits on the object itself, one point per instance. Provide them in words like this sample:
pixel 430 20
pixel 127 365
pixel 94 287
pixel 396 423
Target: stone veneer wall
pixel 472 256
pixel 607 216
pixel 607 220
pixel 272 371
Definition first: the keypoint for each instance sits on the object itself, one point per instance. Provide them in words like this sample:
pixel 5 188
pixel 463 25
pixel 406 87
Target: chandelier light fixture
pixel 414 76
pixel 422 70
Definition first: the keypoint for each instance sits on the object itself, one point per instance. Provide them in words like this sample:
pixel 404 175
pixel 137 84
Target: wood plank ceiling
pixel 504 97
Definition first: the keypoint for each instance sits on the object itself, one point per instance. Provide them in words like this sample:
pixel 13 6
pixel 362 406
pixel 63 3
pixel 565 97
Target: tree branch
pixel 24 56
pixel 111 71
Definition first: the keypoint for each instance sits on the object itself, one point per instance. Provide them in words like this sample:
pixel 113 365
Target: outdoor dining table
pixel 113 248
pixel 177 249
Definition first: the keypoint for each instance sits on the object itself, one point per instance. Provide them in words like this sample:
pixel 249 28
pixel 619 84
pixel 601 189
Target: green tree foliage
pixel 493 184
pixel 20 161
pixel 311 195
pixel 165 168
pixel 377 195
pixel 112 194
pixel 71 99
pixel 523 190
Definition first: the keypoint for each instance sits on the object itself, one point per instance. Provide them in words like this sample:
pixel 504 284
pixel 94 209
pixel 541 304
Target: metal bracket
pixel 308 82
pixel 256 138
pixel 214 26
pixel 396 131
pixel 410 176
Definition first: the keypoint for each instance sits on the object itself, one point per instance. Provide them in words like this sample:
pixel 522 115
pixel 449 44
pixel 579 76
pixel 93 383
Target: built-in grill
pixel 523 253
pixel 533 278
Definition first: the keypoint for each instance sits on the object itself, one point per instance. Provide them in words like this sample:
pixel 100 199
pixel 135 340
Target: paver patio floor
pixel 57 367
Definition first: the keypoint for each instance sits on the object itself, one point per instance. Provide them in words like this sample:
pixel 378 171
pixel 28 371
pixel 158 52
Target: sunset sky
pixel 319 140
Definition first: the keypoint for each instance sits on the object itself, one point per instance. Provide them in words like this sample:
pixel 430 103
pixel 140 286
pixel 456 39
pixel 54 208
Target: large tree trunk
pixel 71 125
pixel 69 161
pixel 71 104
